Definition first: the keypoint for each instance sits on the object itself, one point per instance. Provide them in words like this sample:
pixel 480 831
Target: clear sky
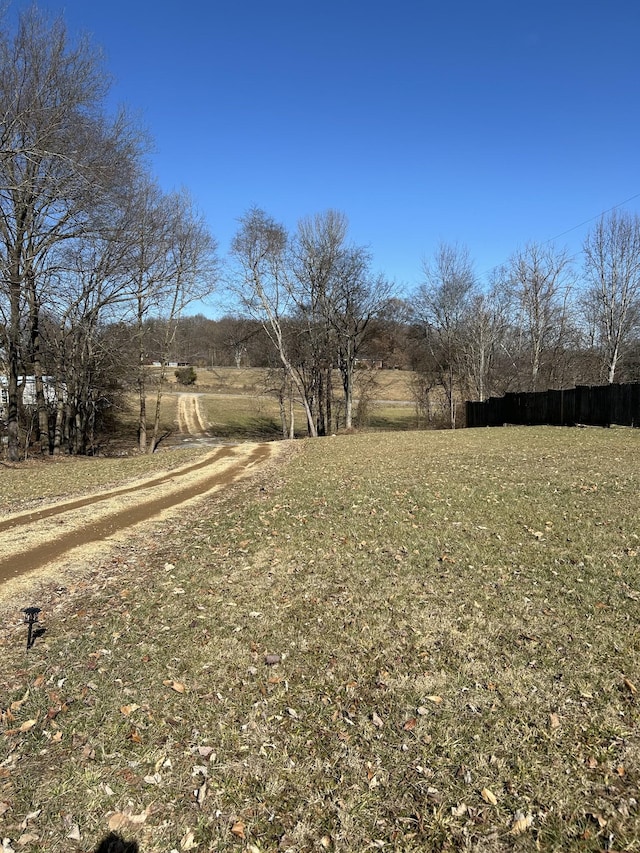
pixel 486 122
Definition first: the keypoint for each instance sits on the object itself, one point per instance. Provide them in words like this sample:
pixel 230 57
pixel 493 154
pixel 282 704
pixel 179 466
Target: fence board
pixel 596 405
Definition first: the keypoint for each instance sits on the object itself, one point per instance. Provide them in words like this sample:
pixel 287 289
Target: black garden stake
pixel 30 617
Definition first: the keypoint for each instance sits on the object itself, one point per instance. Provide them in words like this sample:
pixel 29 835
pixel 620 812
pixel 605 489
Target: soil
pixel 43 543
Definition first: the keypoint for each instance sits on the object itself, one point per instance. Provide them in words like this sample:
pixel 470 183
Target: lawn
pixel 412 641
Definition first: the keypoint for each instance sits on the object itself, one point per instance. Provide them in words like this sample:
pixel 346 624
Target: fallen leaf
pixel 28 838
pixel 292 713
pixel 238 829
pixel 178 686
pixel 460 810
pixel 410 724
pixel 128 709
pixel 489 797
pixel 15 706
pixel 74 835
pixel 25 727
pixel 435 699
pixel 377 721
pixel 187 841
pixel 554 720
pixel 6 846
pixel 29 817
pixel 4 807
pixel 118 820
pixel 434 794
pixel 521 823
pixel 630 686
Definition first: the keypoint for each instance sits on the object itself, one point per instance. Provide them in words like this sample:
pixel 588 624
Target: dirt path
pixel 189 416
pixel 34 543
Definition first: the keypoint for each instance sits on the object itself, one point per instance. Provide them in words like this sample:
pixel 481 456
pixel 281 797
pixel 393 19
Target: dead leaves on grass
pixel 489 797
pixel 521 823
pixel 126 819
pixel 24 727
pixel 238 830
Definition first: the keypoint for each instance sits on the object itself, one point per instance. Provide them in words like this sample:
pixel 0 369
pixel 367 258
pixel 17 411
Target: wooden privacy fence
pixel 597 405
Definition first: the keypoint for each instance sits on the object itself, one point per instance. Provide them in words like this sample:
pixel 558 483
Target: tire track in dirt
pixel 58 509
pixel 189 415
pixel 105 518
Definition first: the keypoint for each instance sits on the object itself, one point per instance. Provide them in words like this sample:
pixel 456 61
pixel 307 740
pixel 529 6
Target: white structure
pixel 28 384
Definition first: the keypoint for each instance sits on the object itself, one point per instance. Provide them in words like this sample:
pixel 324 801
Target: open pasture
pixel 419 641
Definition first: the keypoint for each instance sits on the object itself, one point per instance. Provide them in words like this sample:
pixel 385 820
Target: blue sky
pixel 486 123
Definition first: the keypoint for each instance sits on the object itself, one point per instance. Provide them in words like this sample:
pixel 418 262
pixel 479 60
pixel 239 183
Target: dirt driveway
pixel 190 420
pixel 33 544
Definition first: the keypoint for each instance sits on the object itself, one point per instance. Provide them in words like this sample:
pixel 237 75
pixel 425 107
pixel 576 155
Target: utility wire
pixel 575 227
pixel 587 221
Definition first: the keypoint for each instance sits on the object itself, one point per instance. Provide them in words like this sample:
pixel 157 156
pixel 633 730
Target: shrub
pixel 186 376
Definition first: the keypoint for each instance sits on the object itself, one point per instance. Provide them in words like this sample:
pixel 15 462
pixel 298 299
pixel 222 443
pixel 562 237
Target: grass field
pixel 391 384
pixel 413 641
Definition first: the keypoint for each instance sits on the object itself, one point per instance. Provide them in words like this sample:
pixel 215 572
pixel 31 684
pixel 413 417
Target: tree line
pixel 87 238
pixel 543 319
pixel 99 266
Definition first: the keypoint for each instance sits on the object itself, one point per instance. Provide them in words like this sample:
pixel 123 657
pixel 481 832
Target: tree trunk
pixel 13 358
pixel 155 438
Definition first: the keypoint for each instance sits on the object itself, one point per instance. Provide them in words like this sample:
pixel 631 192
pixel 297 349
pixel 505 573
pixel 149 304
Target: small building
pixel 28 384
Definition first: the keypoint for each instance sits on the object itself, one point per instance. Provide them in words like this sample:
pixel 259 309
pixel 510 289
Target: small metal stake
pixel 30 618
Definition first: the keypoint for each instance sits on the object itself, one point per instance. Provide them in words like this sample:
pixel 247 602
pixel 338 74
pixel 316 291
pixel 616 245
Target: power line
pixel 575 227
pixel 591 219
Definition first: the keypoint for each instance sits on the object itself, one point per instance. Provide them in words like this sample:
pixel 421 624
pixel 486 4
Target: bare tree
pixel 91 281
pixel 261 280
pixel 482 334
pixel 148 271
pixel 442 305
pixel 191 271
pixel 357 297
pixel 317 250
pixel 58 154
pixel 611 299
pixel 336 296
pixel 540 279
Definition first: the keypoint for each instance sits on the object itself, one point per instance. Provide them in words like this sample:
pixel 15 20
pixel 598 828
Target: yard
pixel 410 641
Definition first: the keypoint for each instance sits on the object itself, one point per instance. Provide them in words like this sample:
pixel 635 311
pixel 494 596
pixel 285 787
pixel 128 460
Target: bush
pixel 186 376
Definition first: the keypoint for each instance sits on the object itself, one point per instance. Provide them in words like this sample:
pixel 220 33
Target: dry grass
pixel 392 384
pixel 455 616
